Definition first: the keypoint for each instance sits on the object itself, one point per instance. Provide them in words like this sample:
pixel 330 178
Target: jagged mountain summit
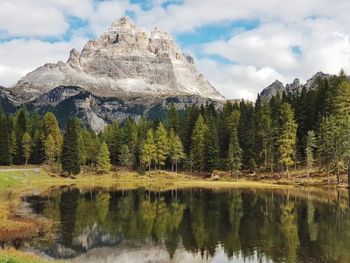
pixel 278 87
pixel 123 62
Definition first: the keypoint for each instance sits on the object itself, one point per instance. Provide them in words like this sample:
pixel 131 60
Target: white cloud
pixel 238 81
pixel 319 28
pixel 19 56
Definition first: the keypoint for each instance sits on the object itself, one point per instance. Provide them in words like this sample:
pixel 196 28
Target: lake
pixel 194 225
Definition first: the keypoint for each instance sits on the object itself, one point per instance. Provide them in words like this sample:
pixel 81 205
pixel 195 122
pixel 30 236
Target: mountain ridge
pixel 123 62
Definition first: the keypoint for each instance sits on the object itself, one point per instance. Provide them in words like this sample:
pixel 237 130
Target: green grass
pixel 10 179
pixel 16 256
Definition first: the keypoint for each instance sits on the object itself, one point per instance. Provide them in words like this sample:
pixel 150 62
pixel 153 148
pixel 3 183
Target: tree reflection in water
pixel 254 225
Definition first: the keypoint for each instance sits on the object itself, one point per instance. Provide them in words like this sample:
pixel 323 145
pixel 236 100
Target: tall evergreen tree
pixel 212 151
pixel 50 127
pixel 173 121
pixel 287 136
pixel 103 159
pixel 310 149
pixel 235 151
pixel 176 151
pixel 125 157
pixel 20 128
pixel 162 145
pixel 149 150
pixel 26 146
pixel 50 150
pixel 265 135
pixel 70 153
pixel 5 154
pixel 198 143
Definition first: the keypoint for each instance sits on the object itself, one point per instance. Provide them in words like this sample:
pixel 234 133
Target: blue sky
pixel 240 46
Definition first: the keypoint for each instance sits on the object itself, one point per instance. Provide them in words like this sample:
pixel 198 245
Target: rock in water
pixel 123 62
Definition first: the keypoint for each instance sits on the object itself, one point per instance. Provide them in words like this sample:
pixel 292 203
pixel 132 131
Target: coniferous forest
pixel 309 129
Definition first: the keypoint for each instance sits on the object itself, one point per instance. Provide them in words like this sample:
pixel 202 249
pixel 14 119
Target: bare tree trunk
pixel 349 174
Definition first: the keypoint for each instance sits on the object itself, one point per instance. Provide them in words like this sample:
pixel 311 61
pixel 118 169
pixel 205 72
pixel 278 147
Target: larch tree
pixel 287 136
pixel 198 143
pixel 70 153
pixel 50 127
pixel 50 150
pixel 26 147
pixel 176 150
pixel 103 159
pixel 149 150
pixel 162 145
pixel 235 151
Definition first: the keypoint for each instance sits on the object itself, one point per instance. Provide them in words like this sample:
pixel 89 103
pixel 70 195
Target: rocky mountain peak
pixel 294 87
pixel 123 24
pixel 125 62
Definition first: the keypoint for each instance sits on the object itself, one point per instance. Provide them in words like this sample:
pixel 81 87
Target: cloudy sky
pixel 241 46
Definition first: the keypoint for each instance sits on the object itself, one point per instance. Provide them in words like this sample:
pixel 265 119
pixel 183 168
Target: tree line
pixel 310 128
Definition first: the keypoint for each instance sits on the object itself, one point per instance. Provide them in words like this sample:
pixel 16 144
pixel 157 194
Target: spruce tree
pixel 103 159
pixel 81 150
pixel 235 151
pixel 21 128
pixel 162 145
pixel 265 135
pixel 5 154
pixel 287 136
pixel 198 143
pixel 125 157
pixel 70 154
pixel 26 146
pixel 212 151
pixel 310 149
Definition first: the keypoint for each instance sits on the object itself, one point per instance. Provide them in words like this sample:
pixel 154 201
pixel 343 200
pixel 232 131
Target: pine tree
pixel 342 115
pixel 70 154
pixel 5 154
pixel 287 136
pixel 265 135
pixel 310 149
pixel 149 150
pixel 198 143
pixel 173 119
pixel 13 146
pixel 235 151
pixel 176 151
pixel 103 159
pixel 113 137
pixel 162 145
pixel 125 157
pixel 26 146
pixel 21 128
pixel 212 151
pixel 81 150
pixel 50 150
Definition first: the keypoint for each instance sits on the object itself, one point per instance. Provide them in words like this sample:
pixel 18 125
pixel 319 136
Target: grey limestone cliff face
pixel 123 62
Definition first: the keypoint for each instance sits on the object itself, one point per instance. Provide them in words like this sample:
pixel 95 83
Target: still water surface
pixel 195 225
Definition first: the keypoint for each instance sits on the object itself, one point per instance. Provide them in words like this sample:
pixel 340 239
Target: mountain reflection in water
pixel 196 225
